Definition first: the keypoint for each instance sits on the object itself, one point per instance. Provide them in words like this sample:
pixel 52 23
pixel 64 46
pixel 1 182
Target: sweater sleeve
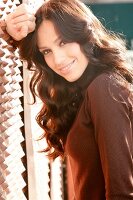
pixel 111 112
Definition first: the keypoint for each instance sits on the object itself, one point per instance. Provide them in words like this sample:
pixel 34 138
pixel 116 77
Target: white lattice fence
pixel 12 168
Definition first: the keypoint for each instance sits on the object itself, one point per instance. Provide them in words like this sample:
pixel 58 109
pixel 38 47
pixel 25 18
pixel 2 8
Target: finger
pixel 24 31
pixel 21 33
pixel 23 18
pixel 19 11
pixel 30 26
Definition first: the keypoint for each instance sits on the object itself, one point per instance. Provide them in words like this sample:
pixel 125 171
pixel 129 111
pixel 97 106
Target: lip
pixel 66 69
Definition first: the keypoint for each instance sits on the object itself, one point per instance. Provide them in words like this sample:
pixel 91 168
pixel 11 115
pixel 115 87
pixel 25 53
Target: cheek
pixel 76 51
pixel 48 62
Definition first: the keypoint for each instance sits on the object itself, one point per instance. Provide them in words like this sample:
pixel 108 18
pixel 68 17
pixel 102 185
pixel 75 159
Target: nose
pixel 59 57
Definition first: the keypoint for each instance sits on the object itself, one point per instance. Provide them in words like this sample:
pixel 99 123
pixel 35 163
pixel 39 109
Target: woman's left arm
pixel 111 111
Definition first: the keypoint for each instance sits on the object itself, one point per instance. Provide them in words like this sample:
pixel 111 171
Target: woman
pixel 82 76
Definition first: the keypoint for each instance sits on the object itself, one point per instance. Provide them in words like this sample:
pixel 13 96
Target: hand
pixel 20 22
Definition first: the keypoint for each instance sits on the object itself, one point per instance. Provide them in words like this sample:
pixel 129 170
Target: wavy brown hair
pixel 61 100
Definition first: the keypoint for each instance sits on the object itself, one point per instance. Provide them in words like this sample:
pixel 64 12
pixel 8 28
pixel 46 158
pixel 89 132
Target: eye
pixel 62 43
pixel 45 52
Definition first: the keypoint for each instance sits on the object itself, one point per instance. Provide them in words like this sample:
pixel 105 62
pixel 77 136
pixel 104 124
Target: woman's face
pixel 66 59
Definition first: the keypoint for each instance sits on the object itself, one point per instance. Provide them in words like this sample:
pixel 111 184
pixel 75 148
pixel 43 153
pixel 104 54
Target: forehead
pixel 47 33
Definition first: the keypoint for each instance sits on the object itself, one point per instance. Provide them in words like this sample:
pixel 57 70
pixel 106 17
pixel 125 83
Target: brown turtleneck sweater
pixel 100 143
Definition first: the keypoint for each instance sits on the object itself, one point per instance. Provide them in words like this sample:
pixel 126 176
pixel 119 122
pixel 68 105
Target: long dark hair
pixel 61 100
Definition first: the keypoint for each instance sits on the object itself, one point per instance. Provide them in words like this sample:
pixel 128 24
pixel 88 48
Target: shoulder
pixel 108 87
pixel 102 81
pixel 107 81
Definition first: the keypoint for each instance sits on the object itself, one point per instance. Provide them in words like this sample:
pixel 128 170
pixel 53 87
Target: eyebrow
pixel 55 41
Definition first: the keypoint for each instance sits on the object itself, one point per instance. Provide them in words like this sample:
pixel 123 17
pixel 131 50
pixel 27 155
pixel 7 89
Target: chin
pixel 72 80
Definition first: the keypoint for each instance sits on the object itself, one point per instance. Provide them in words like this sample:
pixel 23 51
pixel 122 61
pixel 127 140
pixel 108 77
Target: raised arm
pixel 17 24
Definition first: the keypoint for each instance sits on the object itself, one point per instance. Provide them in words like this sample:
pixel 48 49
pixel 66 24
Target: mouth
pixel 67 68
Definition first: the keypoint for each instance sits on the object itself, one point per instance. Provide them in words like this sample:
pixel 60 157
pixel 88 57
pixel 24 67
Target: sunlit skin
pixel 66 59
